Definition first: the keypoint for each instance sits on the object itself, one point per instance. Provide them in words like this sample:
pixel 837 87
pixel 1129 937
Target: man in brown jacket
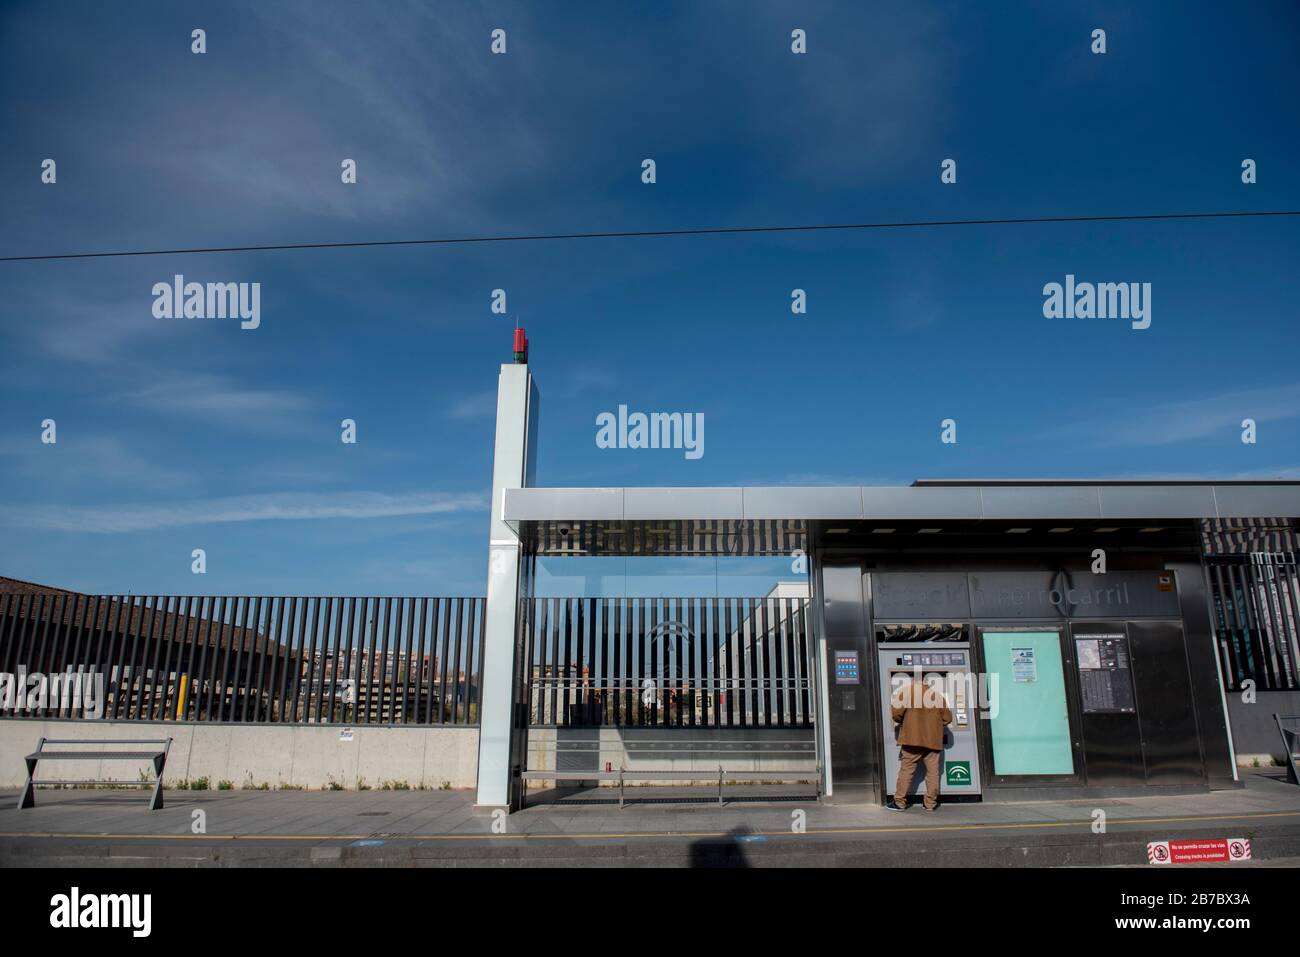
pixel 922 714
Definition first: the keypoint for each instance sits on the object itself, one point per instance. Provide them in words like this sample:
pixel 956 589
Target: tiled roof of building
pixel 61 605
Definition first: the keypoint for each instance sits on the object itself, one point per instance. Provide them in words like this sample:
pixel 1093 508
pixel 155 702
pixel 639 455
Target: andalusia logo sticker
pixel 957 772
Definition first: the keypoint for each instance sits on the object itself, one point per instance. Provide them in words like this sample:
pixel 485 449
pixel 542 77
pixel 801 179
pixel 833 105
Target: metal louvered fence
pixel 1256 599
pixel 668 662
pixel 351 660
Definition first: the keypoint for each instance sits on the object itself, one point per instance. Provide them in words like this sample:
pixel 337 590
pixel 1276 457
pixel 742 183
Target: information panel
pixel 847 671
pixel 1105 676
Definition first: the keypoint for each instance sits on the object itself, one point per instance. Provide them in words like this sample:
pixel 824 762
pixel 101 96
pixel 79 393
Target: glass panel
pixel 1031 729
pixel 676 576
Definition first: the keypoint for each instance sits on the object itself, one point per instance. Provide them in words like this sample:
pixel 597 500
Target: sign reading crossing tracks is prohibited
pixel 1198 852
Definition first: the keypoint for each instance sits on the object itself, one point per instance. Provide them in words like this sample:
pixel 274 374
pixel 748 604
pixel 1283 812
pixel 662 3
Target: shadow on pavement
pixel 728 851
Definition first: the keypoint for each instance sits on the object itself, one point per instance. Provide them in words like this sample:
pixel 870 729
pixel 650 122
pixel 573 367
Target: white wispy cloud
pixel 221 400
pixel 482 405
pixel 277 506
pixel 819 480
pixel 574 381
pixel 1280 473
pixel 76 328
pixel 1187 420
pixel 100 459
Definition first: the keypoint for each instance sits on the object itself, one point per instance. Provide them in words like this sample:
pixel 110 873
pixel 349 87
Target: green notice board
pixel 1031 731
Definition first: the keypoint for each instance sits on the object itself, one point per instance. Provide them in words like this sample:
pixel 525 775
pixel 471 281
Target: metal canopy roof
pixel 947 500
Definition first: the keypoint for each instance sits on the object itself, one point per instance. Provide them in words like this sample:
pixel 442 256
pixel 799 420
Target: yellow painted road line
pixel 645 834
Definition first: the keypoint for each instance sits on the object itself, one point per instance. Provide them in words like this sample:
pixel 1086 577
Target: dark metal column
pixel 1207 691
pixel 852 714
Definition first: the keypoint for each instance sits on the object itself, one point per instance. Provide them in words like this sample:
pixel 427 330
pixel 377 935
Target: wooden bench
pixel 158 759
pixel 622 775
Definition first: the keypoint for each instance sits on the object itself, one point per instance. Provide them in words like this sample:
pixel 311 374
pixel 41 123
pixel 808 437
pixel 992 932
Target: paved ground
pixel 441 828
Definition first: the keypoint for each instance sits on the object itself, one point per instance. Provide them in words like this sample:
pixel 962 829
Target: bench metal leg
pixel 28 796
pixel 1289 743
pixel 156 802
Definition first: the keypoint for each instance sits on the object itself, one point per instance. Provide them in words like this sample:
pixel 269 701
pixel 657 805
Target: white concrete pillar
pixel 512 467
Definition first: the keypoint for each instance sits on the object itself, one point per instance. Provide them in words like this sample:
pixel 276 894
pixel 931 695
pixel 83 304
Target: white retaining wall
pixel 251 755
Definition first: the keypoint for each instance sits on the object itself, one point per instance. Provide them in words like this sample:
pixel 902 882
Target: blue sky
pixel 174 435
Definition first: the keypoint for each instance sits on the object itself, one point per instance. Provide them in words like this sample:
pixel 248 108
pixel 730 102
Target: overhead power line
pixel 651 233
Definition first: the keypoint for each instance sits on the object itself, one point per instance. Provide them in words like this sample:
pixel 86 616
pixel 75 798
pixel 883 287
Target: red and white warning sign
pixel 1198 852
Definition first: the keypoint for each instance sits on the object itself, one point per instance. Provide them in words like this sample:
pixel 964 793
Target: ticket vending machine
pixel 947 665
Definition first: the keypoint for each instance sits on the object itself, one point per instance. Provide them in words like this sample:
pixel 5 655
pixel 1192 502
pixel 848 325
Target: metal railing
pixel 351 660
pixel 668 662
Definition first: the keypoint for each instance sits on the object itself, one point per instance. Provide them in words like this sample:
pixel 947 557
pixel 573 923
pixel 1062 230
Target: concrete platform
pixel 440 828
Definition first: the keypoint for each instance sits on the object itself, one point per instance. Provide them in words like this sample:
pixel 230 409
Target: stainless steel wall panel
pixel 879 502
pixel 1041 502
pixel 832 504
pixel 1171 745
pixel 657 504
pixel 1150 502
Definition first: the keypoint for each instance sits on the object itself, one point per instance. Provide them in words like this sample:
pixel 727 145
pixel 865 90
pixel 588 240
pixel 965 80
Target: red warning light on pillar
pixel 521 347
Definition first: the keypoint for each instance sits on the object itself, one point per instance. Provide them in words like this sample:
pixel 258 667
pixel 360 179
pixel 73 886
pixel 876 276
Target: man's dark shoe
pixel 893 806
pixel 928 808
